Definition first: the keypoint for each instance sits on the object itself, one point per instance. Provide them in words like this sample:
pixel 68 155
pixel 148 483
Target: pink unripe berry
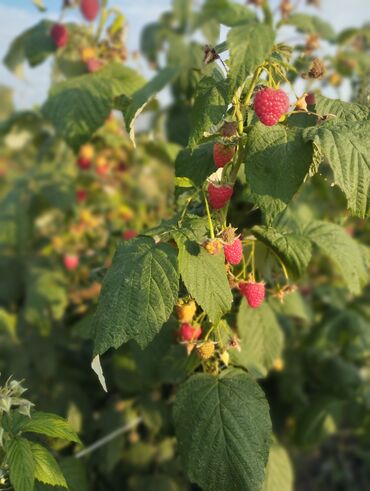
pixel 71 262
pixel 189 333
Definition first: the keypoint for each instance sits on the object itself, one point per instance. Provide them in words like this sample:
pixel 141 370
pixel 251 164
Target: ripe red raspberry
pixel 71 262
pixel 59 35
pixel 129 234
pixel 89 9
pixel 81 195
pixel 189 332
pixel 83 163
pixel 85 156
pixel 254 292
pixel 270 105
pixel 234 252
pixel 310 99
pixel 222 154
pixel 219 195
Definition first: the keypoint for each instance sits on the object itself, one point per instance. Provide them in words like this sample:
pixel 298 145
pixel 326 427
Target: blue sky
pixel 17 15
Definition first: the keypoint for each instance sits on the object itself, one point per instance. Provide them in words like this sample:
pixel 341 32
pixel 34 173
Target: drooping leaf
pixel 33 45
pixel 21 464
pixel 333 241
pixel 227 12
pixel 261 339
pixel 277 161
pixel 79 106
pixel 344 111
pixel 345 147
pixel 211 101
pixel 138 295
pixel 196 165
pixel 47 469
pixel 249 45
pixel 226 446
pixel 279 471
pixel 311 24
pixel 134 105
pixel 50 425
pixel 293 249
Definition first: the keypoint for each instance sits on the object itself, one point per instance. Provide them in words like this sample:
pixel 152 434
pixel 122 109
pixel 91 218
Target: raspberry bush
pixel 213 268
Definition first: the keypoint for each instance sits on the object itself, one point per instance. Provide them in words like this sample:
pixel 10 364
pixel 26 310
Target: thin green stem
pixel 209 332
pixel 252 86
pixel 282 265
pixel 103 19
pixel 210 224
pixel 253 259
pixel 188 201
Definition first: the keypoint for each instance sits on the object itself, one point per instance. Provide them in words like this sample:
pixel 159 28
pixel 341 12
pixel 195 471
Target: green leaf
pixel 188 57
pixel 333 241
pixel 164 151
pixel 277 161
pixel 211 31
pixel 79 106
pixel 344 111
pixel 46 297
pixel 138 295
pixel 8 323
pixel 227 12
pixel 75 473
pixel 293 305
pixel 157 482
pixel 6 102
pixel 249 45
pixel 318 421
pixel 205 278
pixel 293 249
pixel 132 107
pixel 261 339
pixel 311 24
pixel 196 165
pixel 182 10
pixel 21 464
pixel 47 469
pixel 210 105
pixel 50 425
pixel 39 4
pixel 151 40
pixel 279 471
pixel 33 45
pixel 183 182
pixel 345 147
pixel 223 428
